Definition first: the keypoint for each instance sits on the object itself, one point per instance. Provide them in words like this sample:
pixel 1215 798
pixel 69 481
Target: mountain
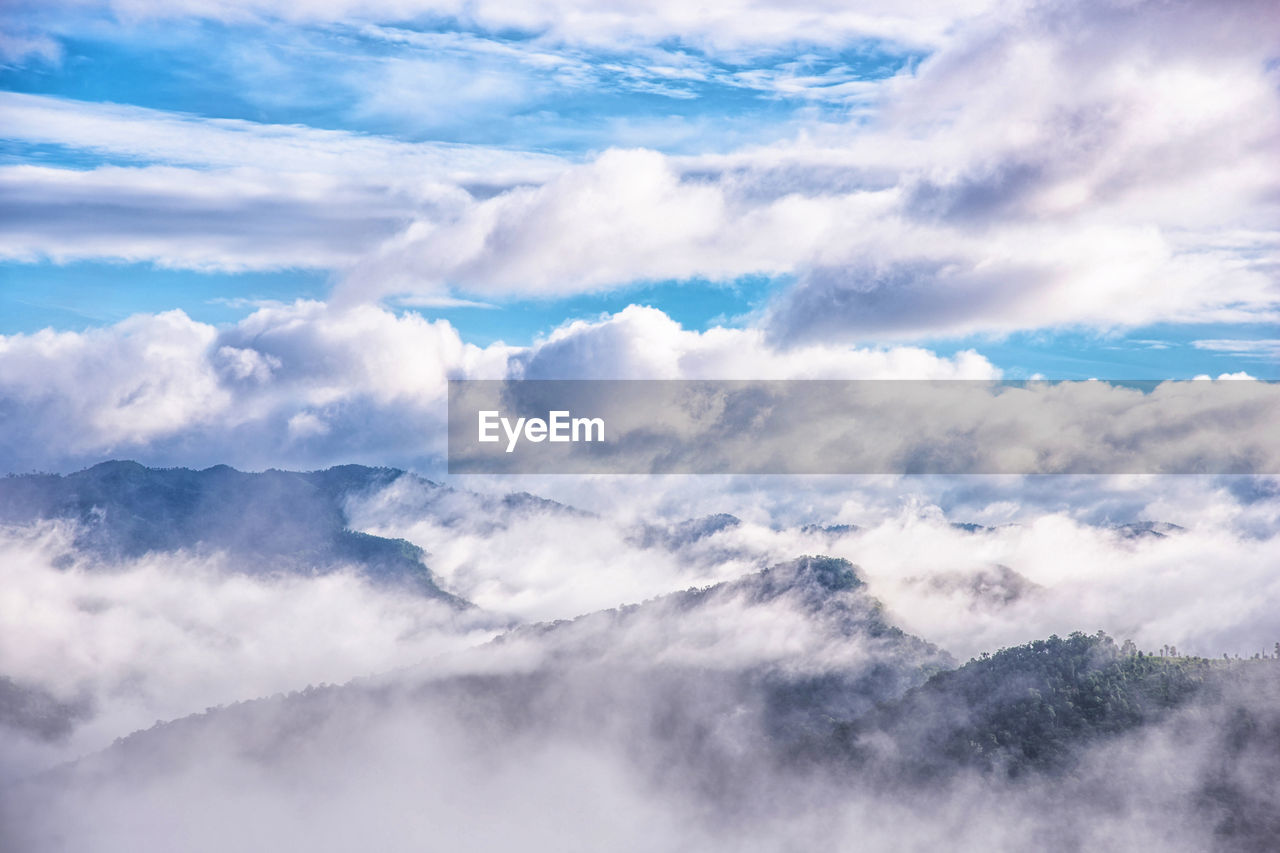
pixel 672 675
pixel 779 711
pixel 824 649
pixel 680 534
pixel 1035 706
pixel 274 521
pixel 1152 529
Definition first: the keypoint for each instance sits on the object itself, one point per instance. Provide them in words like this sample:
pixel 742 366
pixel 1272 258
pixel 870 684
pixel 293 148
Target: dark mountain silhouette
pixel 274 521
pixel 1034 706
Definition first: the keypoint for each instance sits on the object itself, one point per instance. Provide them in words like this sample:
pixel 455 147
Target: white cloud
pixel 1019 179
pixel 125 385
pixel 184 139
pixel 728 26
pixel 225 220
pixel 520 561
pixel 1264 348
pixel 17 47
pixel 661 751
pixel 309 384
pixel 168 635
pixel 231 195
pixel 644 343
pixel 1105 165
pixel 1207 588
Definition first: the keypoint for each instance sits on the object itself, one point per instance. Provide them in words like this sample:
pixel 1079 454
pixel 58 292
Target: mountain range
pixel 767 703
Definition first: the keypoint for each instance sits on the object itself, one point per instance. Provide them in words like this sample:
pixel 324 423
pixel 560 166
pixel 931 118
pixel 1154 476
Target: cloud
pixel 308 385
pixel 647 707
pixel 1101 165
pixel 18 47
pixel 644 343
pixel 1248 348
pixel 656 716
pixel 228 195
pixel 227 221
pixel 184 139
pixel 170 634
pixel 1039 145
pixel 1048 555
pixel 364 382
pixel 624 217
pixel 518 558
pixel 1019 178
pixel 730 28
pixel 1202 588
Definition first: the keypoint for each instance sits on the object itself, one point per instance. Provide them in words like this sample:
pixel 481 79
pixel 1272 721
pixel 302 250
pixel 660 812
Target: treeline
pixel 1033 707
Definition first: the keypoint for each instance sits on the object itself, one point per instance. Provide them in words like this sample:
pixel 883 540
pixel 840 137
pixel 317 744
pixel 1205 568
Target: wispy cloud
pixel 182 139
pixel 1267 348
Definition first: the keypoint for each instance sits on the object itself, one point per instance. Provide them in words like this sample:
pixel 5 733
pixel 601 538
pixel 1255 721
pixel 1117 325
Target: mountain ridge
pixel 269 521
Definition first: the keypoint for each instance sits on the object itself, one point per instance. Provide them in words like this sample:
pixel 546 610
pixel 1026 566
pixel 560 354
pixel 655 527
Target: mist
pixel 670 726
pixel 129 643
pixel 972 563
pixel 721 692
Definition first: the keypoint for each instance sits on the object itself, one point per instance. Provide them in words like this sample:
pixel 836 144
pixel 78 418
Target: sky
pixel 402 191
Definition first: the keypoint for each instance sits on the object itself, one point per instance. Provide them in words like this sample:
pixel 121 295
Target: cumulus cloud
pixel 624 217
pixel 1105 164
pixel 644 343
pixel 1113 127
pixel 308 384
pixel 170 386
pixel 1101 165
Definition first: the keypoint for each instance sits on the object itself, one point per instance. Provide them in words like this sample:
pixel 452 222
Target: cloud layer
pixel 1100 165
pixel 309 385
pixel 170 634
pixel 644 712
pixel 1044 555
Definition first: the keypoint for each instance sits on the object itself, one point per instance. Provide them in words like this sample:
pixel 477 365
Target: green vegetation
pixel 1033 706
